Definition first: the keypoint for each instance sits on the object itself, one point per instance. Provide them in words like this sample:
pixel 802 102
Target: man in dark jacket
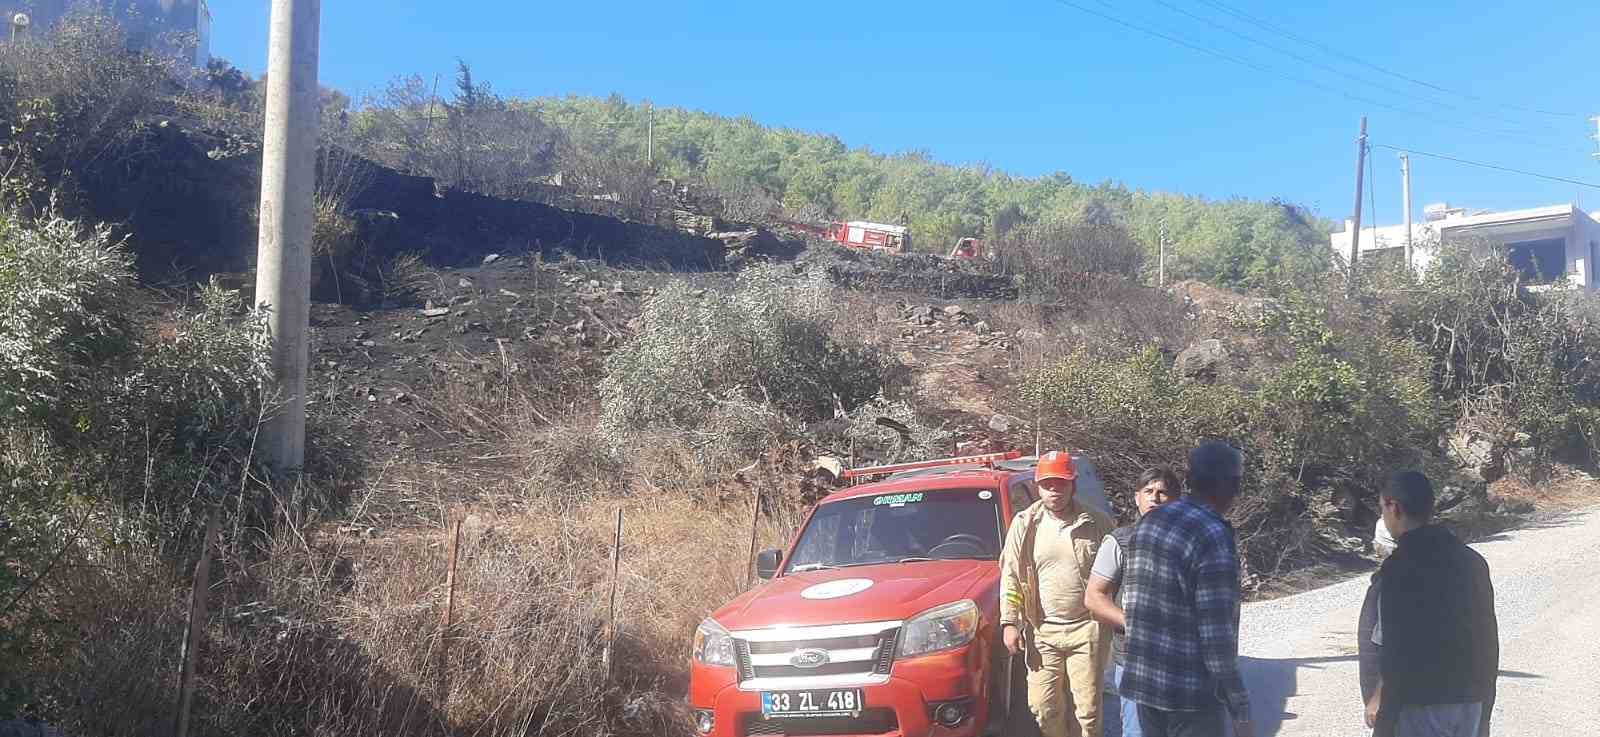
pixel 1439 641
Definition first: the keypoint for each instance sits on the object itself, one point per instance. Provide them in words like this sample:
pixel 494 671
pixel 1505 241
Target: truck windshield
pixel 946 524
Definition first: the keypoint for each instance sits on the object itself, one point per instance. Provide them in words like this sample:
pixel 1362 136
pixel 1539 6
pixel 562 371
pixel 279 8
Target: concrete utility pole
pixel 1355 232
pixel 1405 187
pixel 283 251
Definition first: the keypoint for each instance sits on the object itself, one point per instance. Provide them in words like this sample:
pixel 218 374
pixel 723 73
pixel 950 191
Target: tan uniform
pixel 1044 571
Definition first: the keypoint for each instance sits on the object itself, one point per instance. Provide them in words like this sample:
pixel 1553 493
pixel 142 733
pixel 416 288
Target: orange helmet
pixel 1057 464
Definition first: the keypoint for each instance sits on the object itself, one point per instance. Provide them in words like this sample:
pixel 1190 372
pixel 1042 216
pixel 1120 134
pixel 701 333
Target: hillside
pixel 752 171
pixel 503 377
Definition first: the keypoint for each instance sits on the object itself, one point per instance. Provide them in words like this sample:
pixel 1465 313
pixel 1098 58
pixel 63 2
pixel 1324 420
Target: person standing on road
pixel 1043 573
pixel 1181 600
pixel 1366 649
pixel 1156 487
pixel 1438 638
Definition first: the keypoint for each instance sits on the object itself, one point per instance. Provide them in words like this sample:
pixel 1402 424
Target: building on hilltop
pixel 1546 244
pixel 151 24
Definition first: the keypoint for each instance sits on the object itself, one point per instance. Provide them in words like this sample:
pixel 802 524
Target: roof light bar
pixel 987 459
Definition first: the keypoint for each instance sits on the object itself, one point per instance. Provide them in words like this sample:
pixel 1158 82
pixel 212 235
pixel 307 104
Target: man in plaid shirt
pixel 1181 600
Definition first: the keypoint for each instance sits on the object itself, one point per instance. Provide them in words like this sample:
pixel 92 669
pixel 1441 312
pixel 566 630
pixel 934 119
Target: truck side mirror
pixel 767 563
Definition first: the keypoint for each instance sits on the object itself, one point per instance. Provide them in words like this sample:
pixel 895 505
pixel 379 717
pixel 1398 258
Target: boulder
pixel 1475 454
pixel 1203 361
pixel 1521 461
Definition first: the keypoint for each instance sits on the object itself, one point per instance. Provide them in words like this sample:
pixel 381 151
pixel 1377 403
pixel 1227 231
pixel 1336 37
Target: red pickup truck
pixel 881 617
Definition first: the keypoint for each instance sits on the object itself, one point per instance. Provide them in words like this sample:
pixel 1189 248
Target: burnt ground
pixel 381 367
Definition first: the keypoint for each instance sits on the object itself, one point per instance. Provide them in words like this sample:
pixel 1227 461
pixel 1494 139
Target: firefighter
pixel 1045 567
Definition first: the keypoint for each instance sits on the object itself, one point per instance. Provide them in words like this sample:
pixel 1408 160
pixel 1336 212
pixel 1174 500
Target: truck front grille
pixel 776 658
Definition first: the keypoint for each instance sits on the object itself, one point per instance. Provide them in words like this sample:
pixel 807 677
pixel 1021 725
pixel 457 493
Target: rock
pixel 954 310
pixel 981 327
pixel 436 312
pixel 491 258
pixel 402 398
pixel 1521 461
pixel 1004 423
pixel 698 293
pixel 368 344
pixel 26 728
pixel 1476 455
pixel 1517 507
pixel 908 358
pixel 757 243
pixel 1202 361
pixel 831 465
pixel 594 284
pixel 464 283
pixel 509 293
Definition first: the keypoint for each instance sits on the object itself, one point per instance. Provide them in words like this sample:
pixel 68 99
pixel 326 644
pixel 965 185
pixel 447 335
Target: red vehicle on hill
pixel 861 234
pixel 881 618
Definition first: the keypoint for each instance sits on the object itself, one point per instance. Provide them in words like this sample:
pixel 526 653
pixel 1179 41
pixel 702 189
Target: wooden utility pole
pixel 610 655
pixel 1405 187
pixel 755 532
pixel 448 623
pixel 197 625
pixel 283 250
pixel 1355 232
pixel 1161 257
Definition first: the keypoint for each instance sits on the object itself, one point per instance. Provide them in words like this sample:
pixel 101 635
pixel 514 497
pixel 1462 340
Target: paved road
pixel 1298 653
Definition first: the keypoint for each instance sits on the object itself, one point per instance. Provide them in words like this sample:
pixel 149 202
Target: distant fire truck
pixel 861 234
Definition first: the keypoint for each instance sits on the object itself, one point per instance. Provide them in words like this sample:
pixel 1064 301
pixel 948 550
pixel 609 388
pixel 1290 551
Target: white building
pixel 1546 243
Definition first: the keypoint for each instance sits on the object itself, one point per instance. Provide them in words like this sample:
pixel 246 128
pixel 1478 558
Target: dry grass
pixel 1566 490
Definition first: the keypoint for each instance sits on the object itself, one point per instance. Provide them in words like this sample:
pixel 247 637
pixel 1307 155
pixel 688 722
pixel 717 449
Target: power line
pixel 1330 68
pixel 1300 80
pixel 1397 75
pixel 1496 167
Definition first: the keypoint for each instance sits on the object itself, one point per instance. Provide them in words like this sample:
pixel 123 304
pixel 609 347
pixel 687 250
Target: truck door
pixel 1020 494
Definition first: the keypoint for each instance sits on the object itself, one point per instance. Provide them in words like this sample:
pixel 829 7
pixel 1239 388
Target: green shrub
pixel 121 421
pixel 1490 341
pixel 62 297
pixel 1348 406
pixel 701 360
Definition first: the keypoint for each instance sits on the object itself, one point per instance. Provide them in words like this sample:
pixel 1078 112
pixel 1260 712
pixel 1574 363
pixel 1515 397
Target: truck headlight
pixel 940 628
pixel 712 644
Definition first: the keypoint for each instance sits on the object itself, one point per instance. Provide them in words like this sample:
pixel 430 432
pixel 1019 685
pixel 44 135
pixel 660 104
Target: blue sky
pixel 1034 86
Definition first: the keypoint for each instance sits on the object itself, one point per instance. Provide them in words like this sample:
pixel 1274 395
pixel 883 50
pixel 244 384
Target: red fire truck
pixel 881 617
pixel 861 234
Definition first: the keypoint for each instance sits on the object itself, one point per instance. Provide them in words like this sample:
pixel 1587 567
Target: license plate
pixel 830 702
